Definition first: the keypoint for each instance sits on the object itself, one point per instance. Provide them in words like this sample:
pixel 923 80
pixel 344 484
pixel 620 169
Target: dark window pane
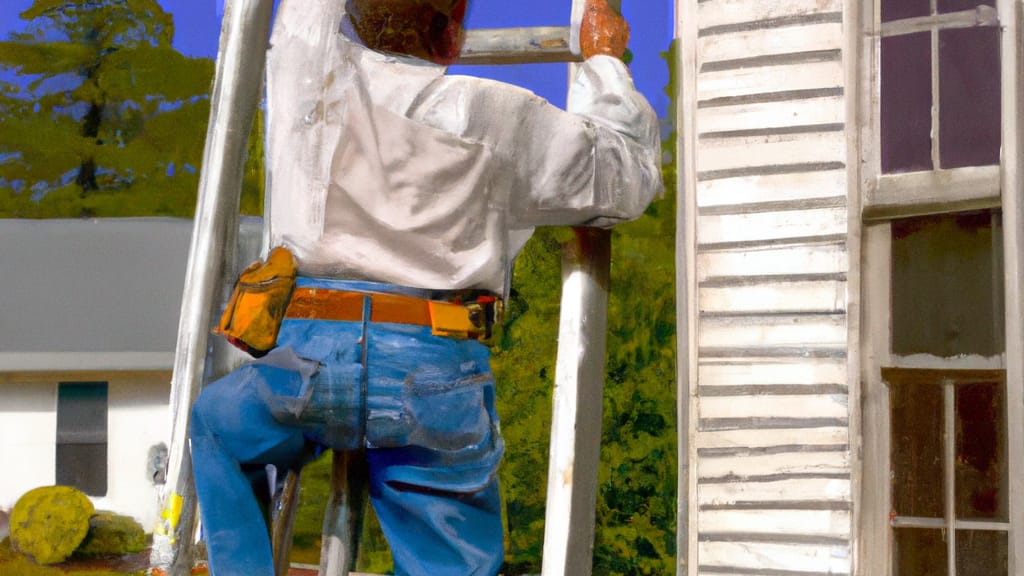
pixel 981 553
pixel 906 117
pixel 981 473
pixel 898 9
pixel 82 436
pixel 947 285
pixel 969 101
pixel 919 552
pixel 82 412
pixel 83 466
pixel 917 447
pixel 945 6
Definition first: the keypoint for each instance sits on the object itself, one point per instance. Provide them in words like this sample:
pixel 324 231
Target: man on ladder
pixel 401 195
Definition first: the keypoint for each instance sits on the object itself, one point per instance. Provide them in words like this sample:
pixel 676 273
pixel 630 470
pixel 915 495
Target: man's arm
pixel 617 163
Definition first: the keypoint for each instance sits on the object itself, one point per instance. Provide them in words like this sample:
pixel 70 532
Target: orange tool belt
pixel 472 319
pixel 265 294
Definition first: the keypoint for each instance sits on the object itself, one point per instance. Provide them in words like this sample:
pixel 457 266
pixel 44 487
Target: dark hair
pixel 428 29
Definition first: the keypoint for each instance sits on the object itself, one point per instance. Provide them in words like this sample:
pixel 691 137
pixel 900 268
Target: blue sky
pixel 197 26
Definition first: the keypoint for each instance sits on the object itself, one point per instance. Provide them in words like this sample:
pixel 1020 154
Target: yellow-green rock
pixel 48 524
pixel 112 534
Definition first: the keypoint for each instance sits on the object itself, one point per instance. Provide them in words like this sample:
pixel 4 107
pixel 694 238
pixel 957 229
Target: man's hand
pixel 603 30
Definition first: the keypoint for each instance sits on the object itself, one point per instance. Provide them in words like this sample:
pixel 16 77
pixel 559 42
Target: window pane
pixel 898 9
pixel 981 553
pixel 82 412
pixel 969 99
pixel 981 473
pixel 919 552
pixel 917 448
pixel 906 117
pixel 83 466
pixel 82 436
pixel 957 5
pixel 947 285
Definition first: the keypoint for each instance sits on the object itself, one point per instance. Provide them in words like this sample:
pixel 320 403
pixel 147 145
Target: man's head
pixel 428 29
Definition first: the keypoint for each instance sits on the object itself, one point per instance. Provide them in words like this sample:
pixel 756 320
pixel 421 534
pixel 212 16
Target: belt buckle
pixel 484 313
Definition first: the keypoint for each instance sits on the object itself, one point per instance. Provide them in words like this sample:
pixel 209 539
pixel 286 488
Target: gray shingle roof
pixel 105 285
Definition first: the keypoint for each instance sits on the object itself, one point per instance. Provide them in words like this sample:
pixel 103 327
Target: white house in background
pixel 88 323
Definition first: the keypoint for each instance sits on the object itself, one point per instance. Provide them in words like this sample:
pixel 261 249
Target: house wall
pixel 92 300
pixel 28 436
pixel 765 239
pixel 137 419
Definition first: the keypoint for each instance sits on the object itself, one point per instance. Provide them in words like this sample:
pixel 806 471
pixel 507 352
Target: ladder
pixel 211 270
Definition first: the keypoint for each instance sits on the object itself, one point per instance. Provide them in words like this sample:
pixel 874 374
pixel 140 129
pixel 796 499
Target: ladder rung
pixel 518 46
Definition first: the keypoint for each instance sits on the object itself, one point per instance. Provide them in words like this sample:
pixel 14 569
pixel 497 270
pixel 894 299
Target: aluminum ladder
pixel 579 376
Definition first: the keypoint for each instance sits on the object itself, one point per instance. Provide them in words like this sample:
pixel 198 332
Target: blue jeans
pixel 422 406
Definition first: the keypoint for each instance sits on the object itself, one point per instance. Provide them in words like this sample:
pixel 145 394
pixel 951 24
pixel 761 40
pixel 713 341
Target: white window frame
pixel 938 190
pixel 884 197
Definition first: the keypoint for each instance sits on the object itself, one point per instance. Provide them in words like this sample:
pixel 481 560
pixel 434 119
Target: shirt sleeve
pixel 598 164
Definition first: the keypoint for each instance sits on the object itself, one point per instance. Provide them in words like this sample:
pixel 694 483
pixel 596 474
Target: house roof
pixel 90 289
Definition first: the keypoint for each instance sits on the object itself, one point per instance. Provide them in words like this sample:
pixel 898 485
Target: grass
pixel 14 564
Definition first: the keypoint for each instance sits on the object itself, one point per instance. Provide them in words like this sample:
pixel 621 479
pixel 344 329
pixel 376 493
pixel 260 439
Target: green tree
pixel 100 115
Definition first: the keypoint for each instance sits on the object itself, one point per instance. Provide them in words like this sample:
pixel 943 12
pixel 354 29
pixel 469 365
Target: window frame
pixel 928 191
pixel 948 379
pixel 881 198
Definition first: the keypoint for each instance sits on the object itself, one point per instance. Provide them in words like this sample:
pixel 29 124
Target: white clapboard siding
pixel 718 440
pixel 818 406
pixel 716 154
pixel 784 114
pixel 782 330
pixel 829 490
pixel 766 556
pixel 748 468
pixel 732 12
pixel 771 41
pixel 763 188
pixel 771 432
pixel 825 296
pixel 769 79
pixel 766 262
pixel 793 522
pixel 771 429
pixel 802 372
pixel 771 226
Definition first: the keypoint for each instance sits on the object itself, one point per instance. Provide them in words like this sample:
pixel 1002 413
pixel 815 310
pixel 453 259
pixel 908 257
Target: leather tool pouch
pixel 257 305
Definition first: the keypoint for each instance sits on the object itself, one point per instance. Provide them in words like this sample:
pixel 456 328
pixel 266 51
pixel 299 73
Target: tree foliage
pixel 99 114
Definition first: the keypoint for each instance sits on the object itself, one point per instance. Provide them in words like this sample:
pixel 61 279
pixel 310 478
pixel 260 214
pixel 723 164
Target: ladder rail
pixel 233 105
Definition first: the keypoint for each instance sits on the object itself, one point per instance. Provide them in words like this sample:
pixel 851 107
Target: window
pixel 949 471
pixel 942 353
pixel 936 395
pixel 938 112
pixel 82 436
pixel 940 84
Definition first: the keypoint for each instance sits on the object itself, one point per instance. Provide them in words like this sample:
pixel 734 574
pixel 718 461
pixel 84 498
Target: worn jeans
pixel 422 406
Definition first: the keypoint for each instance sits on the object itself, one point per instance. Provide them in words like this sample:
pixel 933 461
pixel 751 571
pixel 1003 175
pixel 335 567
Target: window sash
pixel 949 380
pixel 898 195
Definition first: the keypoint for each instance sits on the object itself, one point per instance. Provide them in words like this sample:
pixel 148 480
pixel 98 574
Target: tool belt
pixel 265 294
pixel 467 316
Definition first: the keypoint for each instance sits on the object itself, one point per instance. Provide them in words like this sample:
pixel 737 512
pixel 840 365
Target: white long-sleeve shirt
pixel 384 168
